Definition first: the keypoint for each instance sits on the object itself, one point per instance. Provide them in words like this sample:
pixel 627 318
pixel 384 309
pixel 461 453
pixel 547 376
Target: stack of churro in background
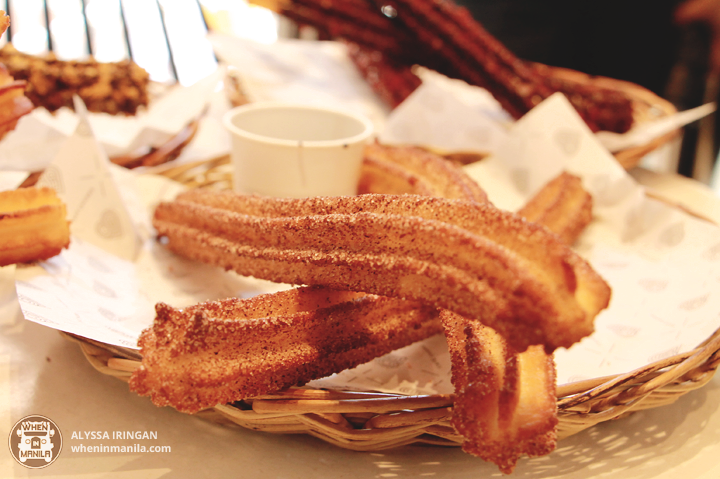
pixel 114 88
pixel 444 37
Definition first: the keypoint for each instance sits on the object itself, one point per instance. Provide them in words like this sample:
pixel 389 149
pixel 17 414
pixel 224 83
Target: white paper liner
pixel 92 293
pixel 298 71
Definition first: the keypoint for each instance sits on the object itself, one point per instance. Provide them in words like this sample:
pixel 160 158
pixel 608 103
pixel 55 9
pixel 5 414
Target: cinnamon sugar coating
pixel 476 260
pixel 505 405
pixel 413 170
pixel 33 225
pixel 223 351
pixel 505 402
pixel 562 205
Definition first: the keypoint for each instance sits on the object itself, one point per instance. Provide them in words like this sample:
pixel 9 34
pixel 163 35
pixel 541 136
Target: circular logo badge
pixel 35 441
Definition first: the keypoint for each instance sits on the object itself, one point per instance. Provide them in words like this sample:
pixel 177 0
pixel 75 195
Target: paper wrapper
pixel 39 135
pixel 450 115
pixel 80 174
pixel 662 264
pixel 92 293
pixel 298 71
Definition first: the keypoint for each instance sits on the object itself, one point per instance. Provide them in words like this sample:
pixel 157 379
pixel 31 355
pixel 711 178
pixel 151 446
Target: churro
pixel 562 205
pixel 33 225
pixel 392 81
pixel 476 260
pixel 114 88
pixel 224 351
pixel 505 404
pixel 413 170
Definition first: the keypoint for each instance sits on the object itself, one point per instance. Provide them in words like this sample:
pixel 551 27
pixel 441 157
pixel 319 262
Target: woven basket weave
pixel 374 421
pixel 646 106
pixel 368 421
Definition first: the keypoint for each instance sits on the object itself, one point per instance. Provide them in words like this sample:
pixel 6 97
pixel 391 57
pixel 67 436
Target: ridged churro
pixel 505 404
pixel 33 225
pixel 413 170
pixel 474 259
pixel 562 205
pixel 393 82
pixel 223 351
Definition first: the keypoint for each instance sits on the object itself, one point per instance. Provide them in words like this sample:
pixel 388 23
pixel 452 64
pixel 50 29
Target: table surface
pixel 43 373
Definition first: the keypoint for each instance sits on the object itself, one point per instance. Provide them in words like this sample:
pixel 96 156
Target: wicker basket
pixel 374 421
pixel 368 421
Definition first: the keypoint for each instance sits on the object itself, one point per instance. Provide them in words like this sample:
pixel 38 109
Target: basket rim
pixel 580 404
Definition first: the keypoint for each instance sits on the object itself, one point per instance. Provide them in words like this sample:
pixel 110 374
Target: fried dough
pixel 505 404
pixel 413 170
pixel 562 205
pixel 476 260
pixel 33 225
pixel 223 351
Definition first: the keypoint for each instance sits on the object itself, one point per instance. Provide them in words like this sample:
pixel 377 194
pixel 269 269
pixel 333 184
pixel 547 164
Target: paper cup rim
pixel 367 124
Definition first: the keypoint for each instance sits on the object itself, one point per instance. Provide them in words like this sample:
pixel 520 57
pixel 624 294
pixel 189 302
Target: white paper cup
pixel 288 150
